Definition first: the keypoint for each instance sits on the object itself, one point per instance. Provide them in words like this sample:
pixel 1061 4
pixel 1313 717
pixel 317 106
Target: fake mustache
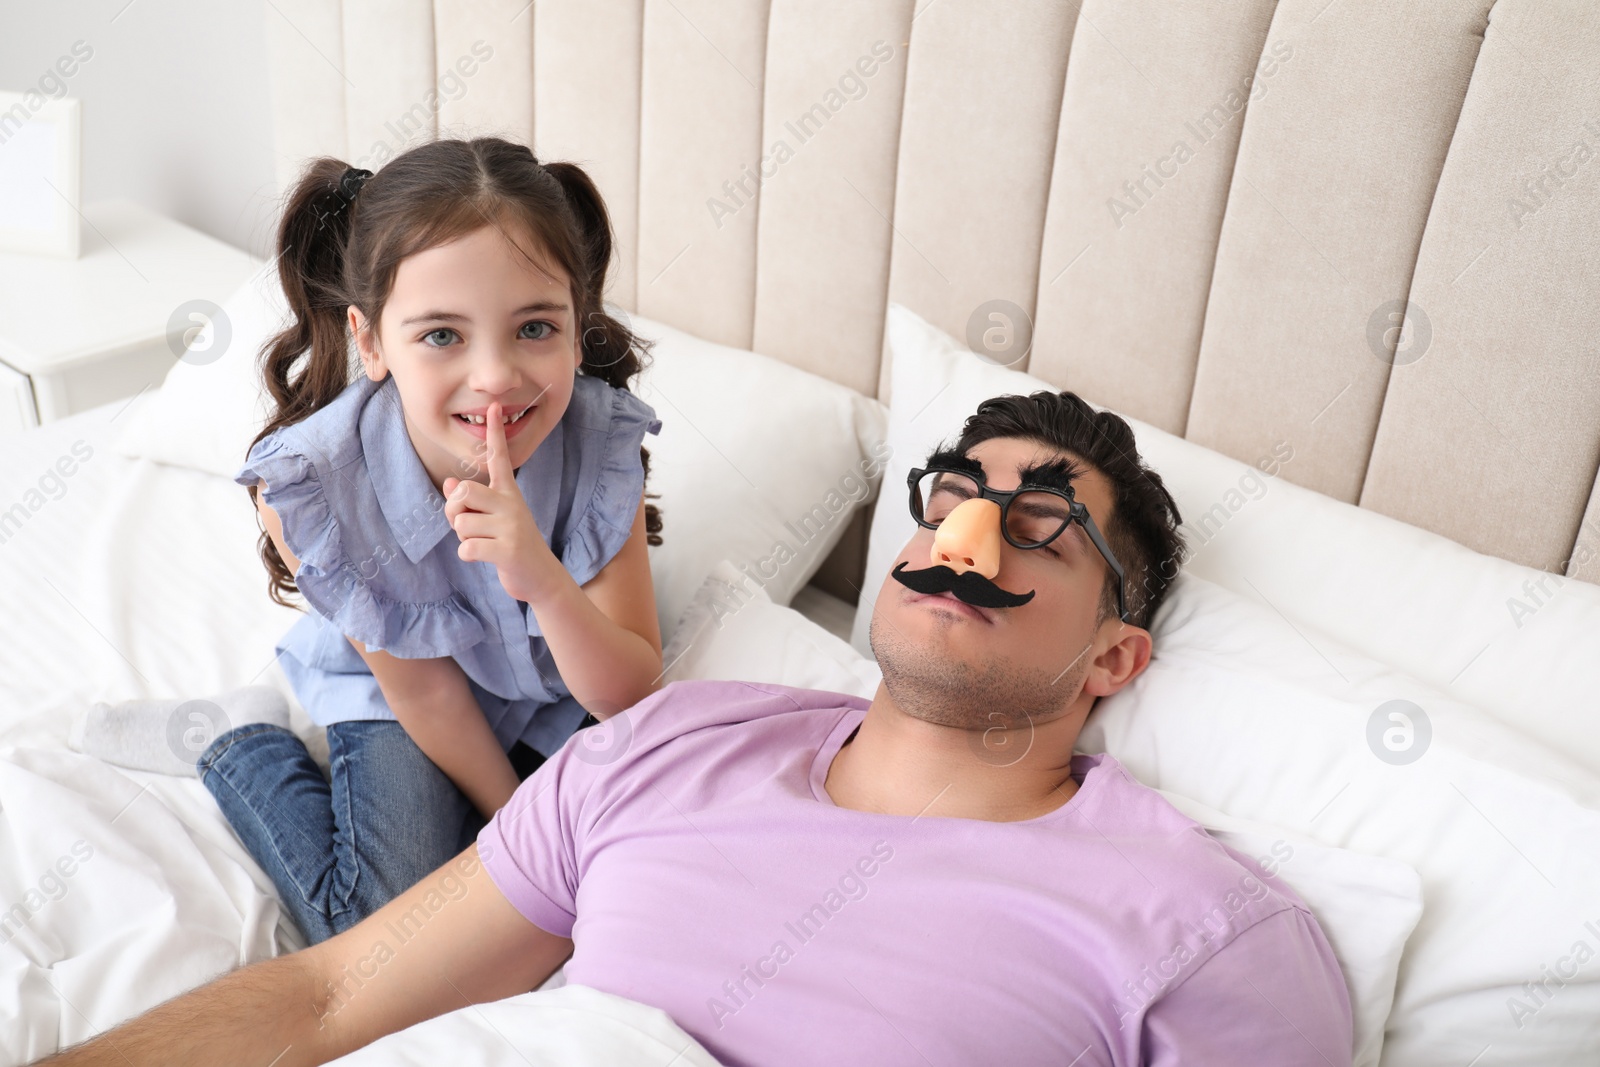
pixel 969 587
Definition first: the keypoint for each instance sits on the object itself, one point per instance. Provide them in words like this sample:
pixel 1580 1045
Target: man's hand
pixel 495 525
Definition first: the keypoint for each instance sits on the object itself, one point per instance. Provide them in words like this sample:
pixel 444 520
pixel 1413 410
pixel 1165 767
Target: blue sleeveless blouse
pixel 378 557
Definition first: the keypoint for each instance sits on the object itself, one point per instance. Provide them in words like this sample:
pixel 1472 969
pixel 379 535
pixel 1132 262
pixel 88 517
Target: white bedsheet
pixel 117 898
pixel 573 1026
pixel 138 580
pixel 123 579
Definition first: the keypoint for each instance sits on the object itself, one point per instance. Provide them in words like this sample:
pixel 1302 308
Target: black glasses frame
pixel 1076 513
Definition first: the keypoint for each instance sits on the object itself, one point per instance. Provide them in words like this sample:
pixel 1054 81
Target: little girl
pixel 465 517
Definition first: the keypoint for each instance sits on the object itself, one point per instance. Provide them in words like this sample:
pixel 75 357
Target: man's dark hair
pixel 1142 528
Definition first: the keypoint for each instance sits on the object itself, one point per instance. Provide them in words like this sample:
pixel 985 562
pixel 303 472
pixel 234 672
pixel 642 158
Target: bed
pixel 1351 322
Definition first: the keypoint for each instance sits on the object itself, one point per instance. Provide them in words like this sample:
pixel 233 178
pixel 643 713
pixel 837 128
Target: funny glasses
pixel 1031 516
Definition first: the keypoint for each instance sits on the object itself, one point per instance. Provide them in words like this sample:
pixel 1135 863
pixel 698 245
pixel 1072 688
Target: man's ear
pixel 367 345
pixel 1124 654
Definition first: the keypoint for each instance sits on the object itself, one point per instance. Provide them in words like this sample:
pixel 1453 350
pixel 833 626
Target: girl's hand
pixel 495 525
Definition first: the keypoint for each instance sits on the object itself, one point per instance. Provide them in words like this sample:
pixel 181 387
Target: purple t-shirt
pixel 699 866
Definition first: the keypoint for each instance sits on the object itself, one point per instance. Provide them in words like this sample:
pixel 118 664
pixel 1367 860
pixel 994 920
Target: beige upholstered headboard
pixel 1213 212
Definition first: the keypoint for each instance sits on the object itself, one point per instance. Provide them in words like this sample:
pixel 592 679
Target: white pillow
pixel 757 461
pixel 1460 621
pixel 1367 905
pixel 211 404
pixel 1266 719
pixel 732 630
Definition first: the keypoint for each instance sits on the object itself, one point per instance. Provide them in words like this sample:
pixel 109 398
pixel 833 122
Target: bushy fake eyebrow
pixel 1057 474
pixel 953 460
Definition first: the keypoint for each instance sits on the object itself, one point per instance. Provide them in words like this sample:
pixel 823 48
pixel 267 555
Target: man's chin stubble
pixel 948 692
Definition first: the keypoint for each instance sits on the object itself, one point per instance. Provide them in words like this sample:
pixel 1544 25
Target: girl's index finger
pixel 500 472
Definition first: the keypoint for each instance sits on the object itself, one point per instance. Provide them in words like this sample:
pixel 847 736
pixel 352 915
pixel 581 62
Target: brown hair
pixel 337 248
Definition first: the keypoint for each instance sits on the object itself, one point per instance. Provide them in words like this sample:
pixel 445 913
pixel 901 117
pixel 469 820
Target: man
pixel 799 877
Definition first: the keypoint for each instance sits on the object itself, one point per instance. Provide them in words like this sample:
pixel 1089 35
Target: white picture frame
pixel 40 175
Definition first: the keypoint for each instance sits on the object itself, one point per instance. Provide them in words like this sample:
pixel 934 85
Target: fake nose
pixel 969 538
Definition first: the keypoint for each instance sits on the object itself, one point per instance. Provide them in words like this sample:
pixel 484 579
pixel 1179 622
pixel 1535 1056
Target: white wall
pixel 175 103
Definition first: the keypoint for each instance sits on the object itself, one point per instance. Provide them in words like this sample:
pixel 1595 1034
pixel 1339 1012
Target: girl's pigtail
pixel 311 267
pixel 611 350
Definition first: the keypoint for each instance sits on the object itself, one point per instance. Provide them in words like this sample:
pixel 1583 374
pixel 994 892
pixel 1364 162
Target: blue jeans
pixel 337 850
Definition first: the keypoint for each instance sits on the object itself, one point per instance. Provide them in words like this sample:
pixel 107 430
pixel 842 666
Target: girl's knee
pixel 241 740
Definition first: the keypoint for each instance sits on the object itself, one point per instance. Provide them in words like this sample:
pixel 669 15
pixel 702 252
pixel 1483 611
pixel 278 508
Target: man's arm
pixel 401 965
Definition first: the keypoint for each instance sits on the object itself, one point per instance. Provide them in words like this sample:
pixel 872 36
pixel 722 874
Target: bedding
pixel 757 461
pixel 112 598
pixel 733 630
pixel 120 890
pixel 574 1026
pixel 1265 720
pixel 132 890
pixel 128 579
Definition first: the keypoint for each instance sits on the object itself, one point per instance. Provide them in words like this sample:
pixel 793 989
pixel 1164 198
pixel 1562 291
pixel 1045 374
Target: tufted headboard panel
pixel 1367 228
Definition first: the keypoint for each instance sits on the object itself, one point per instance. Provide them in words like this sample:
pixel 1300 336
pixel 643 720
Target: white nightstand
pixel 80 333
